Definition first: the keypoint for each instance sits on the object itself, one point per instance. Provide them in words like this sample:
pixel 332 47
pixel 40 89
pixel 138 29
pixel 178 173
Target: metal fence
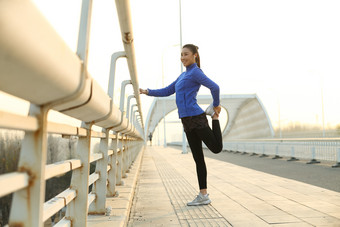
pixel 37 66
pixel 326 149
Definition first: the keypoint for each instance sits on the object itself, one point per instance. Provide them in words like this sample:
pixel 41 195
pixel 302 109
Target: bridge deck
pixel 240 196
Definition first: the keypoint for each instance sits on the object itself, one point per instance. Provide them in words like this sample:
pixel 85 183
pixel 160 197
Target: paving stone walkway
pixel 240 196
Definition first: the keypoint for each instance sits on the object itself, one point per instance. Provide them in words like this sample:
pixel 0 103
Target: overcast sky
pixel 287 52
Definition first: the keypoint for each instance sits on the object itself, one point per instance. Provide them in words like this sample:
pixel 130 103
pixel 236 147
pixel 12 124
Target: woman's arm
pixel 167 91
pixel 201 78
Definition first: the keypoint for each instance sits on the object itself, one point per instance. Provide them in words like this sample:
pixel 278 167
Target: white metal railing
pixel 313 149
pixel 326 149
pixel 46 73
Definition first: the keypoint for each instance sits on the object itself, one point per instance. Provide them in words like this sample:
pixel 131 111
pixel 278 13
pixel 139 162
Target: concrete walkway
pixel 240 196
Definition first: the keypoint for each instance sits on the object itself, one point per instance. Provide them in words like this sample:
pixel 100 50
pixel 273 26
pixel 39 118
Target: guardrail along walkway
pixel 240 196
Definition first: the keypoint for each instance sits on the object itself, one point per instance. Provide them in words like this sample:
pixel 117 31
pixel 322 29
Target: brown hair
pixel 194 50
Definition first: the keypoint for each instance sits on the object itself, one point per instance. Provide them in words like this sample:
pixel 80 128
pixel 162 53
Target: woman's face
pixel 187 57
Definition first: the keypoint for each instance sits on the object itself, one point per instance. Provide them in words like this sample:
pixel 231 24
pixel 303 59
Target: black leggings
pixel 212 139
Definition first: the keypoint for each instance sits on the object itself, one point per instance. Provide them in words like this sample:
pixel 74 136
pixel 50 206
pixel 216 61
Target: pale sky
pixel 287 52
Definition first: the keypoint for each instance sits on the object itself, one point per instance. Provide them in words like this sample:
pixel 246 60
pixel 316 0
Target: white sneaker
pixel 200 200
pixel 210 110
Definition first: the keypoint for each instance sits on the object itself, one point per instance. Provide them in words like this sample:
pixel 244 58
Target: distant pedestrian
pixel 193 118
pixel 150 139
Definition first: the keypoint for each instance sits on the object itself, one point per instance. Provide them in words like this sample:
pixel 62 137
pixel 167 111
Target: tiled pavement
pixel 240 196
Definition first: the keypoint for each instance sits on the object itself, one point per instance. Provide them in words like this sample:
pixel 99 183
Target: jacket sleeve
pixel 167 91
pixel 201 78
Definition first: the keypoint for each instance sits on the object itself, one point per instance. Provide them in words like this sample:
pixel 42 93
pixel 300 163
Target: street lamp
pixel 184 141
pixel 180 29
pixel 180 44
pixel 323 111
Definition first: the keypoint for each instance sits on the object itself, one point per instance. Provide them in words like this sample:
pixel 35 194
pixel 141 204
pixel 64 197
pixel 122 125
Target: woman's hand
pixel 217 109
pixel 143 91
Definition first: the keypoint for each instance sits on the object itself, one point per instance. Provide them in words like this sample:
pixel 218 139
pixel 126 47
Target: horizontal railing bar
pixel 52 206
pixel 18 122
pixel 69 194
pixel 96 157
pixel 55 204
pixel 91 198
pixel 57 128
pixel 13 181
pixel 126 28
pixel 82 132
pixel 63 223
pixel 29 123
pixel 93 178
pixel 62 167
pixel 95 134
pixel 111 136
pixel 64 129
pixel 313 149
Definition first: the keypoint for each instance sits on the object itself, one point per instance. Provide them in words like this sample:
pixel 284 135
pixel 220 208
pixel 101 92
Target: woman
pixel 193 118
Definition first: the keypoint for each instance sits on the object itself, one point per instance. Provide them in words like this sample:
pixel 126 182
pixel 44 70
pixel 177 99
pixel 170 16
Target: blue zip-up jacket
pixel 186 87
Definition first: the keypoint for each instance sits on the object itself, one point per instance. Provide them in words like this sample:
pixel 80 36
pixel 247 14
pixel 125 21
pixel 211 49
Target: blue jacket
pixel 186 87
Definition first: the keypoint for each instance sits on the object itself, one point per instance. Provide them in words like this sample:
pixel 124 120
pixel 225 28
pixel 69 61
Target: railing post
pixel 128 105
pixel 337 164
pixel 292 152
pixel 133 145
pixel 124 156
pixel 244 149
pixel 84 31
pixel 114 58
pixel 77 209
pixel 122 101
pixel 313 160
pixel 254 150
pixel 122 95
pixel 27 204
pixel 112 181
pixel 236 149
pixel 277 156
pixel 119 161
pixel 129 149
pixel 132 112
pixel 134 151
pixel 263 152
pixel 128 144
pixel 99 187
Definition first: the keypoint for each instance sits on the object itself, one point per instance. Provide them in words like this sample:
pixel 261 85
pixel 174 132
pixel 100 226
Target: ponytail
pixel 194 50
